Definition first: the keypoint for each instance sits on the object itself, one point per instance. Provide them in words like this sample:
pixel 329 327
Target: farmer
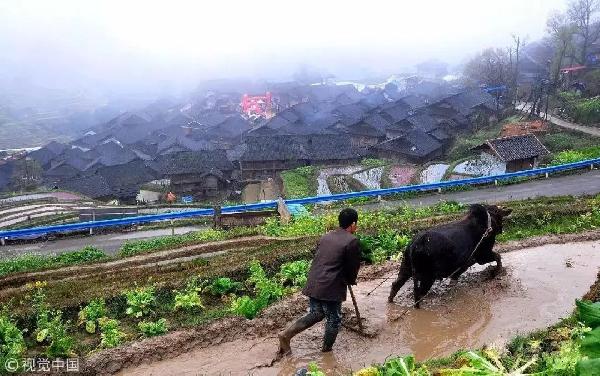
pixel 334 267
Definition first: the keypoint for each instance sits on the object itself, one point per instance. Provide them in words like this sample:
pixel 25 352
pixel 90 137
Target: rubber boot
pixel 329 338
pixel 298 326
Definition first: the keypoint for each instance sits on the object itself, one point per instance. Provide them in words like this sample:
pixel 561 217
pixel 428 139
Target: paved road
pixel 592 131
pixel 586 183
pixel 108 242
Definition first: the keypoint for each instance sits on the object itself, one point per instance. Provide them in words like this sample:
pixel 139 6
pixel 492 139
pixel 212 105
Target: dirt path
pixel 538 288
pixel 590 130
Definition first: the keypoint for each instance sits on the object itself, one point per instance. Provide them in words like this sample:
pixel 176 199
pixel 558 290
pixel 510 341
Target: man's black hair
pixel 347 217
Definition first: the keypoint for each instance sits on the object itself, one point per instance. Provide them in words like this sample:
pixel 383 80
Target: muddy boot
pixel 300 325
pixel 329 339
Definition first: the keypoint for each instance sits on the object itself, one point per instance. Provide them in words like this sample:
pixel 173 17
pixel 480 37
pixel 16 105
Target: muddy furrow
pixel 141 261
pixel 538 288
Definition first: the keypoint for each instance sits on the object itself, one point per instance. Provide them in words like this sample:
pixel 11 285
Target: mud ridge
pixel 274 318
pixel 537 241
pixel 151 259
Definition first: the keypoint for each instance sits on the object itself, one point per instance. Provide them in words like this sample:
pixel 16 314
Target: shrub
pixel 246 306
pixel 587 111
pixel 376 249
pixel 294 273
pixel 188 299
pixel 223 286
pixel 267 291
pixel 140 301
pixel 91 313
pixel 110 333
pixel 153 328
pixel 12 344
pixel 50 328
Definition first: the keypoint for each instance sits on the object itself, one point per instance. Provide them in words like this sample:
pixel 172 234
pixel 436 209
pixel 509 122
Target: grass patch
pixel 300 182
pixel 571 156
pixel 137 247
pixel 369 163
pixel 30 263
pixel 558 141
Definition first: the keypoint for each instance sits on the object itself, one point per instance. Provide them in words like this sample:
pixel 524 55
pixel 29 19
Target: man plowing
pixel 334 267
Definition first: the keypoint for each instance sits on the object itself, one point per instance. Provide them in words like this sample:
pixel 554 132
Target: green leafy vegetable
pixel 589 313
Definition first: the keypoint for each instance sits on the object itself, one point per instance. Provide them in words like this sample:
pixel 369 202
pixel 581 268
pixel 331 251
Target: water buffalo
pixel 447 250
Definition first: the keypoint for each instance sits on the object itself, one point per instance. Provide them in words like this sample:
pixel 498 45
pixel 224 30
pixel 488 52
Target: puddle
pixel 536 291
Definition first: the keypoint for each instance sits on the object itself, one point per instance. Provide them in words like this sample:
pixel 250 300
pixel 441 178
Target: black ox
pixel 449 250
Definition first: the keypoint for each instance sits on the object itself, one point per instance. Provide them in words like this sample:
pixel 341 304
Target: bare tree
pixel 491 67
pixel 561 32
pixel 514 67
pixel 582 13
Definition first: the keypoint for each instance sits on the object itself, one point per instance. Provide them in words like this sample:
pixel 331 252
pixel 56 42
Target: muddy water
pixel 537 289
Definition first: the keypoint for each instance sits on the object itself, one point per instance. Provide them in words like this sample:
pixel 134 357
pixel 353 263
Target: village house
pixel 517 153
pixel 415 146
pixel 265 156
pixel 204 175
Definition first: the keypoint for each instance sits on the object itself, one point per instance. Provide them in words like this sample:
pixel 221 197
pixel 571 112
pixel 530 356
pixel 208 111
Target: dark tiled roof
pixel 440 135
pixel 316 148
pixel 62 171
pixel 77 158
pixel 344 99
pixel 289 115
pixel 6 171
pixel 377 121
pixel 467 101
pixel 320 126
pixel 396 111
pixel 374 100
pixel 125 180
pixel 192 162
pixel 304 110
pixel 178 119
pixel 210 119
pixel 183 143
pixel 415 143
pixel 415 101
pixel 424 122
pixel 44 155
pixel 351 113
pixel 94 186
pixel 232 127
pixel 112 154
pixel 363 129
pixel 516 147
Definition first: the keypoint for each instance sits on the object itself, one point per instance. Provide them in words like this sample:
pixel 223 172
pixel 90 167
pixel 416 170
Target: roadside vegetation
pixel 577 155
pixel 584 111
pixel 300 182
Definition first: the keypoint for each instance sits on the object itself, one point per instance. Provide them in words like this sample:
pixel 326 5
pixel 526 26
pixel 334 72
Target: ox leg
pixel 403 275
pixel 421 288
pixel 498 260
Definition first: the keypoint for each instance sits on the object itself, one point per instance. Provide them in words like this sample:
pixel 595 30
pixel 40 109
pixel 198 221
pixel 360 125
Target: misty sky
pixel 126 44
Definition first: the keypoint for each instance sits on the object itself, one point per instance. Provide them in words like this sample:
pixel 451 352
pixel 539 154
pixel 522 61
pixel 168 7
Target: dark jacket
pixel 334 266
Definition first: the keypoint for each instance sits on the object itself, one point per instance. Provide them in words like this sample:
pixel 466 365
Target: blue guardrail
pixel 44 230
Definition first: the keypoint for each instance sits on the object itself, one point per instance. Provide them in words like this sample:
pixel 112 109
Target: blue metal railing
pixel 307 200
